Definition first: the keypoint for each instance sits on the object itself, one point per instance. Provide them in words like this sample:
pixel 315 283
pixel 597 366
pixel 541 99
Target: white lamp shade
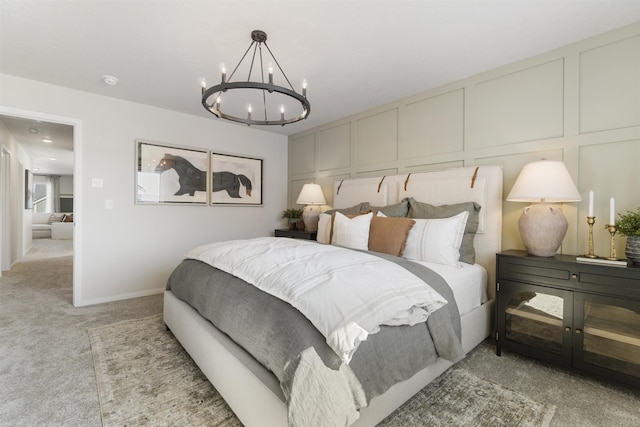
pixel 546 181
pixel 311 194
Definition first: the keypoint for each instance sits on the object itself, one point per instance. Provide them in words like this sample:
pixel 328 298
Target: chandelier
pixel 235 100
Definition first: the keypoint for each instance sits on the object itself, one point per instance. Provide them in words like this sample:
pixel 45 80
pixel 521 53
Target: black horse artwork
pixel 192 179
pixel 231 182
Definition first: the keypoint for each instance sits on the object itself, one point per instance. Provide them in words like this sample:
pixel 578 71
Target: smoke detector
pixel 110 80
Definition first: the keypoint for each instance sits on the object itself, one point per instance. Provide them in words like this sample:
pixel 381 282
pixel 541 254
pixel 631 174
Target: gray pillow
pixel 353 210
pixel 425 210
pixel 398 210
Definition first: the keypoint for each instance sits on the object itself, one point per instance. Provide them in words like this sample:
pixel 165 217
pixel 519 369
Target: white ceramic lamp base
pixel 542 228
pixel 311 215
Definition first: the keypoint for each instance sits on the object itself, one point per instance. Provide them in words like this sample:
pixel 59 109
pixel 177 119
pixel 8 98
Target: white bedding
pixel 469 283
pixel 379 292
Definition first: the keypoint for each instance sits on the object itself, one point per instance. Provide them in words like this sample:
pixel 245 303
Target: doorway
pixel 76 137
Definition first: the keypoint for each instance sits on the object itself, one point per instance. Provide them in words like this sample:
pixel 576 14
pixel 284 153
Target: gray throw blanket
pixel 276 334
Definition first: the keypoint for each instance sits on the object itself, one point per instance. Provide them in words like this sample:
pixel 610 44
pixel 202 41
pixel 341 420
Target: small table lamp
pixel 542 224
pixel 312 196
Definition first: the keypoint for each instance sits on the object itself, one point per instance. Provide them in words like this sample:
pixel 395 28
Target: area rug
pixel 145 378
pixel 460 398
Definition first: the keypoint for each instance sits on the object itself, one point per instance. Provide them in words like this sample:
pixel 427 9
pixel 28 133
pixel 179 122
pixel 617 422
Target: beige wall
pixel 579 104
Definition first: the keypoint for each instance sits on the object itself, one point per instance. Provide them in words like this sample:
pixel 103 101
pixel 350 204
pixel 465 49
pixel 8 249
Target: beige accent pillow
pixel 389 234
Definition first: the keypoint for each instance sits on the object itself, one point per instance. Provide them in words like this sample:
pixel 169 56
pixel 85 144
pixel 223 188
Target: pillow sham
pixel 398 210
pixel 389 234
pixel 353 210
pixel 425 210
pixel 437 240
pixel 351 232
pixel 324 228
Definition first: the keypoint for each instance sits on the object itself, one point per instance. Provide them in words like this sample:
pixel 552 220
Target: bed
pixel 255 394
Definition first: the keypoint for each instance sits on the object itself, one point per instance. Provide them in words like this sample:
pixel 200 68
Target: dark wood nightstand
pixel 577 315
pixel 297 234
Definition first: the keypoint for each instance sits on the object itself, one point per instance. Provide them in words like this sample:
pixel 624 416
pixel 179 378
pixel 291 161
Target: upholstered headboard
pixel 482 184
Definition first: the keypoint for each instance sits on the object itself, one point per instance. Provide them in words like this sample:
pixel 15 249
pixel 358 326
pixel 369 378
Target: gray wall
pixel 579 104
pixel 129 251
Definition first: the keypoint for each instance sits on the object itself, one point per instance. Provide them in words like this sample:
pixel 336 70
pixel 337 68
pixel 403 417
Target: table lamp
pixel 542 224
pixel 312 196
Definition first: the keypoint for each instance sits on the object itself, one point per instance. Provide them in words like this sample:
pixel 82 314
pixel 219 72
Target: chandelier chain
pixel 279 67
pixel 241 59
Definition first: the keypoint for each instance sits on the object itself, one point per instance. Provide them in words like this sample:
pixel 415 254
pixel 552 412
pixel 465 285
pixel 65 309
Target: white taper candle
pixel 612 211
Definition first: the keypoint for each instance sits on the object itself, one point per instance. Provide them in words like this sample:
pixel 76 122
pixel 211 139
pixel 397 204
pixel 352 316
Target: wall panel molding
pixel 564 104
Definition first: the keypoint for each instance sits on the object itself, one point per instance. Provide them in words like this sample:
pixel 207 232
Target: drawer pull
pixel 578 331
pixel 567 328
pixel 574 276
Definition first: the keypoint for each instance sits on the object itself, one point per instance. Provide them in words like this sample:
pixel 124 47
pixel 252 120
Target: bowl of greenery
pixel 294 218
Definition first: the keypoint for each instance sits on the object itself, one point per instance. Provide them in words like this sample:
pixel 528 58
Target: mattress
pixel 469 283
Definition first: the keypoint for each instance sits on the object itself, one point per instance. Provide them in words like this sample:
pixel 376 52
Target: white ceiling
pixel 48 158
pixel 354 54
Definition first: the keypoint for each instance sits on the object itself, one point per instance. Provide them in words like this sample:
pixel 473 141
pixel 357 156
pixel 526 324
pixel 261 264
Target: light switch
pixel 97 182
pixel 108 204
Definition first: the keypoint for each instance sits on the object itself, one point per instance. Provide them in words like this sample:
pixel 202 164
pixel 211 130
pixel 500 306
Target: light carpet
pixel 145 377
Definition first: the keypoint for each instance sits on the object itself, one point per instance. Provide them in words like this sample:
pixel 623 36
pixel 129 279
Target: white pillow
pixel 324 228
pixel 351 232
pixel 437 240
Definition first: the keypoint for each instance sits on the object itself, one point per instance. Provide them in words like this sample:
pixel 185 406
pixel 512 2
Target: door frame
pixel 5 209
pixel 77 186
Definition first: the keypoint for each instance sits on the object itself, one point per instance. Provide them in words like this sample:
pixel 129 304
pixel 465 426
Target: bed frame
pixel 254 394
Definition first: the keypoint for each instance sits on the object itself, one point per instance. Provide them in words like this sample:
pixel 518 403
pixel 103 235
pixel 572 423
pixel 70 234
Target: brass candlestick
pixel 591 220
pixel 612 230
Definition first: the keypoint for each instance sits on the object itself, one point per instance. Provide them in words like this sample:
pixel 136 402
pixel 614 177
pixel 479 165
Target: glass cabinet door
pixel 608 335
pixel 534 318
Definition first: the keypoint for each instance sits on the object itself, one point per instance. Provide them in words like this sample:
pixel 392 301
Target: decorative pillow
pixel 351 232
pixel 55 217
pixel 389 234
pixel 67 218
pixel 324 228
pixel 353 210
pixel 437 240
pixel 425 210
pixel 398 210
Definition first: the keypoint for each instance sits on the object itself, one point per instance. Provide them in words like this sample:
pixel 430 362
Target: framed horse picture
pixel 168 174
pixel 236 180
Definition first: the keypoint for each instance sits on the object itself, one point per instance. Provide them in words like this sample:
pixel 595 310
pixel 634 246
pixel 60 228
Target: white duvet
pixel 346 294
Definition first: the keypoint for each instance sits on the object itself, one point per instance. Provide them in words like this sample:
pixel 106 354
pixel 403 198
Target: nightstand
pixel 297 234
pixel 578 315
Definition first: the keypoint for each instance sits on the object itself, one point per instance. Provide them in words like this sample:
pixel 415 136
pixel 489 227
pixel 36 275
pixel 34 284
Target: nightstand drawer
pixel 617 279
pixel 516 269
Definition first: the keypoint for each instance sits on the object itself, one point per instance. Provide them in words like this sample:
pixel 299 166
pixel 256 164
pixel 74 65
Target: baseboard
pixel 83 303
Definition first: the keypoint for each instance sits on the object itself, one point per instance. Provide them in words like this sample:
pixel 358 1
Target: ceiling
pixel 48 158
pixel 354 54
